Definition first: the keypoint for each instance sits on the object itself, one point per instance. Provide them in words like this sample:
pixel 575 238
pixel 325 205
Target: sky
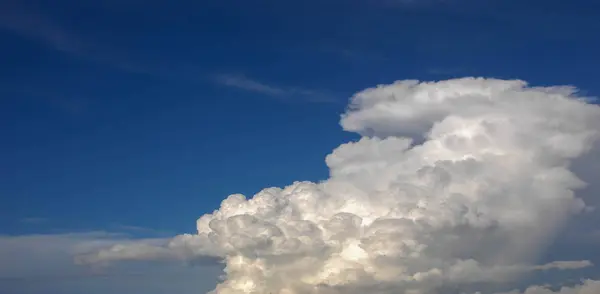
pixel 127 120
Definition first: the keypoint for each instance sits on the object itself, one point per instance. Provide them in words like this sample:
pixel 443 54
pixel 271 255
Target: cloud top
pixel 453 183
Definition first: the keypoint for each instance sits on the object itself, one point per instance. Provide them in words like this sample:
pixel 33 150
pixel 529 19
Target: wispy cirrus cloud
pixel 351 53
pixel 47 32
pixel 245 83
pixel 447 71
pixel 564 265
pixel 33 220
pixel 44 263
pixel 37 27
pixel 413 3
pixel 139 230
pixel 290 94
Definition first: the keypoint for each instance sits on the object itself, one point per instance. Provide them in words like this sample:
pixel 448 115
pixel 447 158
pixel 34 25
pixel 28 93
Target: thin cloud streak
pixel 38 28
pixel 140 230
pixel 565 265
pixel 33 220
pixel 242 82
pixel 44 263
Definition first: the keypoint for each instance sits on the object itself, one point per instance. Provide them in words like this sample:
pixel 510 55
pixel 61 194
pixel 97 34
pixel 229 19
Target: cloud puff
pixel 456 182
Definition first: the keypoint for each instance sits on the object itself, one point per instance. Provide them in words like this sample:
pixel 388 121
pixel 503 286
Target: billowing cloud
pixel 457 182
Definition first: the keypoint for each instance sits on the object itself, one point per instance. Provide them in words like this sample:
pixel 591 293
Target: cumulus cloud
pixel 457 182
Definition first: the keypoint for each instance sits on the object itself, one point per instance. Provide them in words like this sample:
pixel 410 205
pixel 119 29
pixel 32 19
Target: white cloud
pixel 474 203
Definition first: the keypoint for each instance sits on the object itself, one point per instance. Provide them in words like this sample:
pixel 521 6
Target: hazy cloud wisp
pixel 288 94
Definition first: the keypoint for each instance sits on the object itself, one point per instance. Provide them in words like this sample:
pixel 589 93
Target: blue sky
pixel 140 116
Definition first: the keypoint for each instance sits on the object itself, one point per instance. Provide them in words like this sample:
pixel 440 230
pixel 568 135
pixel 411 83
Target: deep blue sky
pixel 149 113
